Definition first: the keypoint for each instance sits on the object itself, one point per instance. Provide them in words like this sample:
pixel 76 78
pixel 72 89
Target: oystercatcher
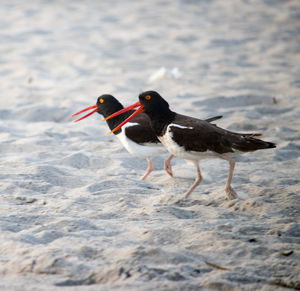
pixel 138 137
pixel 194 139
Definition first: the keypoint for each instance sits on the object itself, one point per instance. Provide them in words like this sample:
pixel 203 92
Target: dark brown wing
pixel 141 131
pixel 199 135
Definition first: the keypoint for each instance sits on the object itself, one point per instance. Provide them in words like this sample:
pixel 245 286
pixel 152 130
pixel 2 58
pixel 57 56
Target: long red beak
pixel 138 111
pixel 83 110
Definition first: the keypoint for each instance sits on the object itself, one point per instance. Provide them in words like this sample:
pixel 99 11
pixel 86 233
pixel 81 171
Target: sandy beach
pixel 74 214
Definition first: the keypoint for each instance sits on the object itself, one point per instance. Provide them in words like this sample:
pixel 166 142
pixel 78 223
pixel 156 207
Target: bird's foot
pixel 186 195
pixel 230 193
pixel 181 202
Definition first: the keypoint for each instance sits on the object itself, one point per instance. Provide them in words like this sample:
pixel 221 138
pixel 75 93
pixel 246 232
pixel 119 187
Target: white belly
pixel 180 152
pixel 138 150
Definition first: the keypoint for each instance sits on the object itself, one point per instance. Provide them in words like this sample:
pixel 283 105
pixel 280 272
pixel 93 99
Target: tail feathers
pixel 249 143
pixel 214 118
pixel 251 134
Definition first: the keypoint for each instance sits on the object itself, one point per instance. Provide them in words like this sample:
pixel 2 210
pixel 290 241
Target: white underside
pixel 141 151
pixel 195 156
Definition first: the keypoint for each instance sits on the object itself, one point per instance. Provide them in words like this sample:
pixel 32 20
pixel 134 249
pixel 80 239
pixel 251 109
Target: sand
pixel 74 214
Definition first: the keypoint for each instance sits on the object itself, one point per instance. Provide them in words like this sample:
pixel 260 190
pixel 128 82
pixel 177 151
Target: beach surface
pixel 74 214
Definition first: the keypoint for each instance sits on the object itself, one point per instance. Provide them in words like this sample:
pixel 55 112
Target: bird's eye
pixel 101 100
pixel 147 97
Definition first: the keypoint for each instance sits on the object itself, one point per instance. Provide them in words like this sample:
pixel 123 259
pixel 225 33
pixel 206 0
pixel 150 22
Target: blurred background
pixel 66 51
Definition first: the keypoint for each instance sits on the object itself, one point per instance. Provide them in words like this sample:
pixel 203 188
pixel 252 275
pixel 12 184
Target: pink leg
pixel 230 193
pixel 149 169
pixel 167 165
pixel 196 182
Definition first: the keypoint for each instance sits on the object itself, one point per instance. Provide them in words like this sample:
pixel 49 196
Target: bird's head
pixel 149 102
pixel 153 103
pixel 106 105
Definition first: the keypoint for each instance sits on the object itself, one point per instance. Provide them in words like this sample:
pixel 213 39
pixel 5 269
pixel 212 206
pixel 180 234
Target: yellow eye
pixel 101 100
pixel 147 97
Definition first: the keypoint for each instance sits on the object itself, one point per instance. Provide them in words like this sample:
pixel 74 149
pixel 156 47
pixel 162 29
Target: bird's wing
pixel 200 138
pixel 199 135
pixel 140 131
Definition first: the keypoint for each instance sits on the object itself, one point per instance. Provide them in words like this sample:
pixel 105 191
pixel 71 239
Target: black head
pixel 153 103
pixel 156 107
pixel 108 104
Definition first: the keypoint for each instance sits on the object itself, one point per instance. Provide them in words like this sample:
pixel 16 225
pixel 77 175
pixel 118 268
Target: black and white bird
pixel 194 139
pixel 137 136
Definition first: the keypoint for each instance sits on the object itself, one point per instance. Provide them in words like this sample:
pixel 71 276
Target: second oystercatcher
pixel 194 139
pixel 137 137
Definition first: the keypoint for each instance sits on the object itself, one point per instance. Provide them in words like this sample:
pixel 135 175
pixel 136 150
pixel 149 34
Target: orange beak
pixel 138 111
pixel 83 110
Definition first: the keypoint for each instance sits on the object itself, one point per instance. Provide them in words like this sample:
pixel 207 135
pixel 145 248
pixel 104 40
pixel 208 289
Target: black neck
pixel 115 121
pixel 159 120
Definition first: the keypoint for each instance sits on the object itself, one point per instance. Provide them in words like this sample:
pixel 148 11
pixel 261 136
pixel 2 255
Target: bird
pixel 194 139
pixel 137 136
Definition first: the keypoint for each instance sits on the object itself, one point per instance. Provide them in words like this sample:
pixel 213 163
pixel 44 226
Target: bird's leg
pixel 196 182
pixel 231 194
pixel 167 165
pixel 148 170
